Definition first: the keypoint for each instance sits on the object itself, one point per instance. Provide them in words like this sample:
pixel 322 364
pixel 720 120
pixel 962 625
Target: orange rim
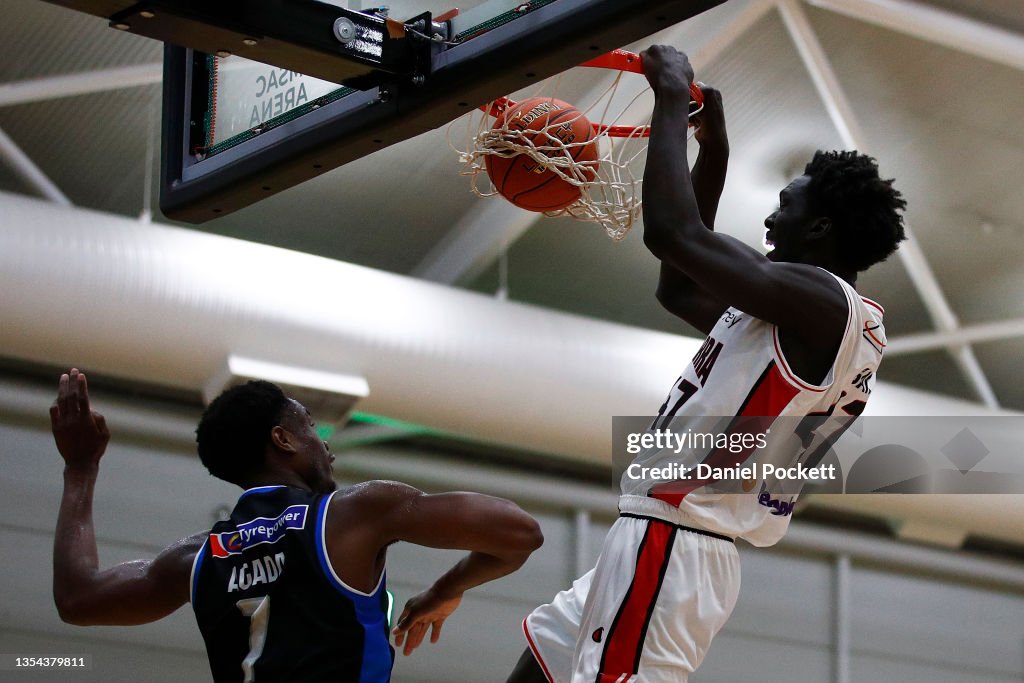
pixel 620 60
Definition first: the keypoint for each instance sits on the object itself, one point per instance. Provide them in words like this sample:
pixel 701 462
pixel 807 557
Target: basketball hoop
pixel 608 180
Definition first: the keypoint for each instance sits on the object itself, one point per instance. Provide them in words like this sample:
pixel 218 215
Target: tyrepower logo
pixel 258 531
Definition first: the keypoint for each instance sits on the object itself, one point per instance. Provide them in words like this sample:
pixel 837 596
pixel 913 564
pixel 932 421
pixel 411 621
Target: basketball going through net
pixel 546 155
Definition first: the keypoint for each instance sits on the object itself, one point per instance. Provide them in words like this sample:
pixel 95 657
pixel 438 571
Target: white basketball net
pixel 610 186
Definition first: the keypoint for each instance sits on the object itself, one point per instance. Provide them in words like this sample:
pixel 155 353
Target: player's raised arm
pixel 129 593
pixel 799 297
pixel 677 292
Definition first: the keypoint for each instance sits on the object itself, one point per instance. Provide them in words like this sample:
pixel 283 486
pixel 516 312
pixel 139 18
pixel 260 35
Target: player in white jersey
pixel 788 335
pixel 742 372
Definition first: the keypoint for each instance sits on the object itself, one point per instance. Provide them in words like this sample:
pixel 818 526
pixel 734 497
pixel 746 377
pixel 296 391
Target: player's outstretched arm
pixel 677 292
pixel 796 297
pixel 129 593
pixel 499 535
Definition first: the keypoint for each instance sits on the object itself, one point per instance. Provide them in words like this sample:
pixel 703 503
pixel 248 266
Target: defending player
pixel 787 336
pixel 291 587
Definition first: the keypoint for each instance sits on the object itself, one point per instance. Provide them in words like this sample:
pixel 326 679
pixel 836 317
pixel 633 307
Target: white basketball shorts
pixel 645 614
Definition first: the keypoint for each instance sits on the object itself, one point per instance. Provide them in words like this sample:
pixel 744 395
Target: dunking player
pixel 787 336
pixel 291 587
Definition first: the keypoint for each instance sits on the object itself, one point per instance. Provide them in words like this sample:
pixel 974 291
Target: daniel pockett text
pixel 752 471
pixel 733 442
pixel 728 456
pixel 819 453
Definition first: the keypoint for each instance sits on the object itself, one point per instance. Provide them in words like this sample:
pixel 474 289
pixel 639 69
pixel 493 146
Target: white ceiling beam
pixel 85 83
pixel 846 123
pixel 731 32
pixel 937 26
pixel 819 67
pixel 27 170
pixel 971 334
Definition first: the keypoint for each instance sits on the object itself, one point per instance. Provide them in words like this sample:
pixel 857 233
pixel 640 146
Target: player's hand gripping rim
pixel 710 120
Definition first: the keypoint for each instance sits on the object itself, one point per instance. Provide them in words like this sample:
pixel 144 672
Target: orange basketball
pixel 547 123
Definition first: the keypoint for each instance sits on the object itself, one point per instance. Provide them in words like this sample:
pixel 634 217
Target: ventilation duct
pixel 169 306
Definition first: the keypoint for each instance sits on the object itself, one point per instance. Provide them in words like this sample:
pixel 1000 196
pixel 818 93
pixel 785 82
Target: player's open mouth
pixel 769 239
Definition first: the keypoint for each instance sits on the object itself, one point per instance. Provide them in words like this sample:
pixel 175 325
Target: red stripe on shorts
pixel 625 642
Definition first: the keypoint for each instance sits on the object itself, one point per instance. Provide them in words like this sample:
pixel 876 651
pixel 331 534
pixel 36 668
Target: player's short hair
pixel 234 431
pixel 846 187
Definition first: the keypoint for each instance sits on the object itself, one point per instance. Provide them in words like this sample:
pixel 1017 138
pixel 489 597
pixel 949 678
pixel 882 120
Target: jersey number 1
pixel 258 611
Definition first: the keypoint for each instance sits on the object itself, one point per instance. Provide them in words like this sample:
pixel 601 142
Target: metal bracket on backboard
pixel 349 47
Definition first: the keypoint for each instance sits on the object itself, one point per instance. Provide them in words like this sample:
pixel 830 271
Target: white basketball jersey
pixel 740 371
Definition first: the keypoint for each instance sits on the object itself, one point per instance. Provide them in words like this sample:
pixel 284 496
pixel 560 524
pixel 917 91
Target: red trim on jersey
pixel 770 395
pixel 216 548
pixel 790 375
pixel 870 332
pixel 625 642
pixel 875 304
pixel 536 654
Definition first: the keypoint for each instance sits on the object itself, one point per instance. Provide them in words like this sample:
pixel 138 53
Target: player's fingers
pixel 72 404
pixel 402 624
pixel 705 88
pixel 83 393
pixel 408 647
pixel 435 633
pixel 101 424
pixel 414 639
pixel 54 414
pixel 62 392
pixel 715 98
pixel 401 629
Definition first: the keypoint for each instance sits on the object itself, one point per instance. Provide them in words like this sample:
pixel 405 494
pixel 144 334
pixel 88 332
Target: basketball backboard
pixel 302 87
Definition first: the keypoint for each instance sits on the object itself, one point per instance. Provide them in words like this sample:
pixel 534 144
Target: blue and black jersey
pixel 270 606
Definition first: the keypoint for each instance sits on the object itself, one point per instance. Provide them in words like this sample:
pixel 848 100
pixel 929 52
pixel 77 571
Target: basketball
pixel 558 129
